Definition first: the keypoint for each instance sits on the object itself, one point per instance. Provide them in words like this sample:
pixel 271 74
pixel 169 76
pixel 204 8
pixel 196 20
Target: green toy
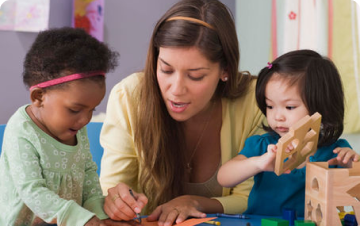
pixel 274 222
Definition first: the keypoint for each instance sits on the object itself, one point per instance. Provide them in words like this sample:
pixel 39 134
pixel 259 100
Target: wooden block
pixel 328 189
pixel 304 137
pixel 274 222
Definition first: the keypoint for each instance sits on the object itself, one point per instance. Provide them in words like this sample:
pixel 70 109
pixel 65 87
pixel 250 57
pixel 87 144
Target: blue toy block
pixel 274 222
pixel 290 215
pixel 304 223
pixel 350 220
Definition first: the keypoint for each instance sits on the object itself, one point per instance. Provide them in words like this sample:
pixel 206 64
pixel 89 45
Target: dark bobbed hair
pixel 58 52
pixel 319 85
pixel 158 136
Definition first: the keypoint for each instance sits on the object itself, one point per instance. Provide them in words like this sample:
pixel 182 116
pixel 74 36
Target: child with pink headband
pixel 46 170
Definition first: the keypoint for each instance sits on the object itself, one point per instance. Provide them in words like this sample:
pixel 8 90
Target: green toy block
pixel 274 222
pixel 304 223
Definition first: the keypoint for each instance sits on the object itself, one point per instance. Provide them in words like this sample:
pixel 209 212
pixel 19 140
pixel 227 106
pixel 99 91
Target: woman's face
pixel 187 81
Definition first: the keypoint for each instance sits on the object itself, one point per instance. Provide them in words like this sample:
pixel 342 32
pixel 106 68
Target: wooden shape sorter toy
pixel 328 189
pixel 303 136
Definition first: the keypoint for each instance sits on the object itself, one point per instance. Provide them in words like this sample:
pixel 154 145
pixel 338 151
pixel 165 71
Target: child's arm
pixel 93 199
pixel 95 222
pixel 241 168
pixel 32 191
pixel 345 156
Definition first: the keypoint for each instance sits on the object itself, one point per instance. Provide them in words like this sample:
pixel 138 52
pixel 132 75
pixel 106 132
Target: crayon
pixel 238 216
pixel 137 214
pixel 213 222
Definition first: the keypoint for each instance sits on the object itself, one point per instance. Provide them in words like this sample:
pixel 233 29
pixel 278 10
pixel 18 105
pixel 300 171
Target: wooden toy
pixel 274 222
pixel 303 136
pixel 328 189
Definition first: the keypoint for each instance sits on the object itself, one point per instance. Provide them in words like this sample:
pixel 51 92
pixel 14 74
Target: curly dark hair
pixel 319 83
pixel 59 52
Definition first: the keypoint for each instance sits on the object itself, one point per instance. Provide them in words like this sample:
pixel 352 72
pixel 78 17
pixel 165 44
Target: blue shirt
pixel 271 193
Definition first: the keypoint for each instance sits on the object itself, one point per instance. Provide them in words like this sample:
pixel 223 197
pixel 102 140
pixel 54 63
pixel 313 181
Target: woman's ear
pixel 224 75
pixel 36 96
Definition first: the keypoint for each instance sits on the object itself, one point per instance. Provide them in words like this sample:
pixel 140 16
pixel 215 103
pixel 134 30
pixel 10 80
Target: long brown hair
pixel 158 136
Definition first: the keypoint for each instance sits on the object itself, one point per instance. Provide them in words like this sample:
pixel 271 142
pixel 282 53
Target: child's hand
pixel 109 222
pixel 94 221
pixel 345 157
pixel 268 159
pixel 291 146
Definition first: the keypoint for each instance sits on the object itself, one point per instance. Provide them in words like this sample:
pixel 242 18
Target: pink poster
pixel 89 15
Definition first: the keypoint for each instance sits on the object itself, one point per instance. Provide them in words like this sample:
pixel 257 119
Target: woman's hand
pixel 345 157
pixel 177 210
pixel 121 205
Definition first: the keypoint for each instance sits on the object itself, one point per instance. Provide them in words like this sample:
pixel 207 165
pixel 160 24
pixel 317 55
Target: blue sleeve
pixel 254 146
pixel 342 143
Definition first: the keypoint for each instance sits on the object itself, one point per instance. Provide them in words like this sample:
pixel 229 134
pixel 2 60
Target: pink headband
pixel 67 78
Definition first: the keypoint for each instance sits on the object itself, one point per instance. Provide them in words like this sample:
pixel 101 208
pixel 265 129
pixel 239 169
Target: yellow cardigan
pixel 241 119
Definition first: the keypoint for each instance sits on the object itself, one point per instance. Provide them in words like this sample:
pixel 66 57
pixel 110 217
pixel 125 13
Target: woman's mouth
pixel 178 107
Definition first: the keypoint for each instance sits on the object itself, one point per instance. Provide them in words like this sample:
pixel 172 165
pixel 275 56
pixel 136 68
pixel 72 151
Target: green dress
pixel 43 180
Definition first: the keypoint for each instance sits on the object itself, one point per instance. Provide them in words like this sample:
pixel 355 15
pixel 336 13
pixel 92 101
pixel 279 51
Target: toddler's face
pixel 284 105
pixel 65 111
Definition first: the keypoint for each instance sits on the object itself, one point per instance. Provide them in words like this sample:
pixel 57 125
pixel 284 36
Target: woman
pixel 169 128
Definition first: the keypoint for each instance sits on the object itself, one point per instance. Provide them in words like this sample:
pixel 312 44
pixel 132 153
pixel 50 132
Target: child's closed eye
pixel 74 111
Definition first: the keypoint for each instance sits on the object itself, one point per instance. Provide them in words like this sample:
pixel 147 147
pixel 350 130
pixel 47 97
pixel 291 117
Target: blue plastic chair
pixel 2 129
pixel 93 130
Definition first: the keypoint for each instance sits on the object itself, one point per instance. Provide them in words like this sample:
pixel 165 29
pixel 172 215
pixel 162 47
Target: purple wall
pixel 128 27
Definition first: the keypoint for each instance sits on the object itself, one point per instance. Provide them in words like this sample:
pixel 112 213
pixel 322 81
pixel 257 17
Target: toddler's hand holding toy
pixel 345 157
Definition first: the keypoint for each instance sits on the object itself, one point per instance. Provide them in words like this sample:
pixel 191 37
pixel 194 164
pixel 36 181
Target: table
pixel 254 220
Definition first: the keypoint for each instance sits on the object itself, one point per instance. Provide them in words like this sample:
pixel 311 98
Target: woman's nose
pixel 178 86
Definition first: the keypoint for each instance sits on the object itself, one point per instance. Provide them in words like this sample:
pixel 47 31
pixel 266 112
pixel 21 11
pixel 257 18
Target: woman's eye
pixel 290 107
pixel 269 107
pixel 166 71
pixel 196 78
